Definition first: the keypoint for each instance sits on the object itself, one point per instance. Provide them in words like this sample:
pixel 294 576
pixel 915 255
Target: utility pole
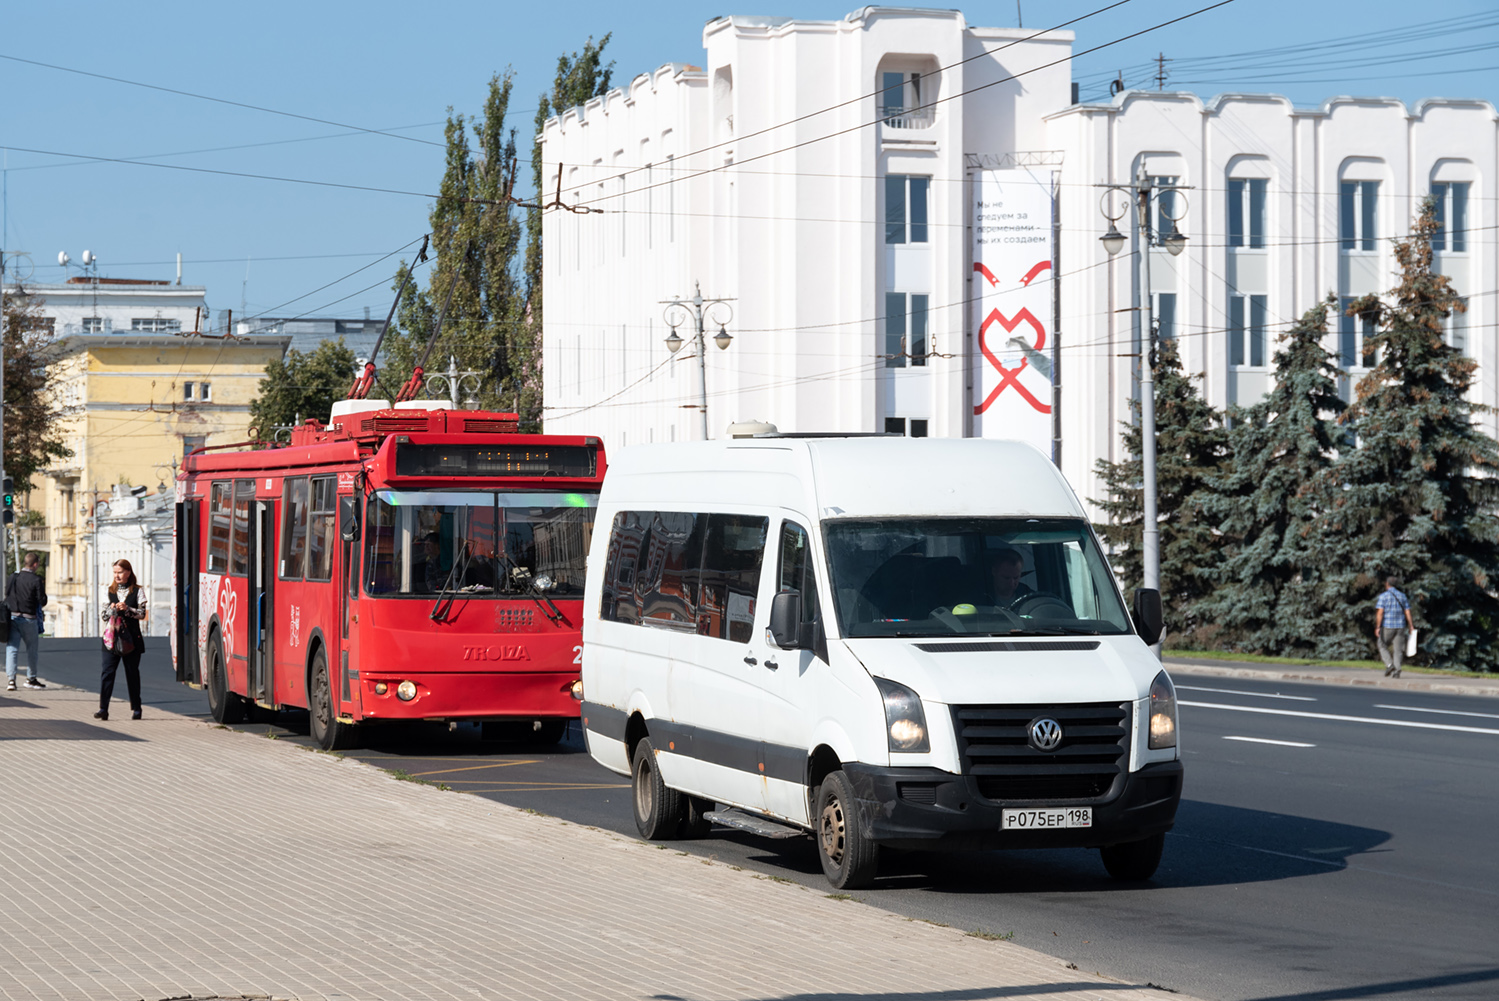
pixel 4 529
pixel 1160 71
pixel 679 311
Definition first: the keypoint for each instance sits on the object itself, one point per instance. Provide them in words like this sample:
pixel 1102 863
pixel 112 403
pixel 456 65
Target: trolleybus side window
pixel 239 550
pixel 218 527
pixel 322 532
pixel 293 527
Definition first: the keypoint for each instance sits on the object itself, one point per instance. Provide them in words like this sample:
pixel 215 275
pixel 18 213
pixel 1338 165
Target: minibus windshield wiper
pixel 446 596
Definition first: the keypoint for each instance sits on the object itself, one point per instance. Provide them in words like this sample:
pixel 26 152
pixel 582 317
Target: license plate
pixel 1046 819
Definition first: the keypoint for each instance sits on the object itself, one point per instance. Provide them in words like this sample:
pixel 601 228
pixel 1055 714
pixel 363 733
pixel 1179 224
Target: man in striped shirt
pixel 1392 619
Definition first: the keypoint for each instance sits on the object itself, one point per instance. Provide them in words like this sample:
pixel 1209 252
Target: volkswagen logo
pixel 1045 734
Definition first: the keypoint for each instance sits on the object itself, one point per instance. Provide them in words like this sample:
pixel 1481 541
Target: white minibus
pixel 912 643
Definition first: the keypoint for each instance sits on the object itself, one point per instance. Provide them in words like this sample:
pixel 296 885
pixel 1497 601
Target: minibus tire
pixel 322 717
pixel 1134 860
pixel 850 860
pixel 658 810
pixel 695 825
pixel 223 705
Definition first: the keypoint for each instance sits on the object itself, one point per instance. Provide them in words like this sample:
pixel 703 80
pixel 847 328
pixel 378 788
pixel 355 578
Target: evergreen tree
pixel 1191 446
pixel 300 386
pixel 580 77
pixel 1416 497
pixel 476 234
pixel 1266 600
pixel 33 433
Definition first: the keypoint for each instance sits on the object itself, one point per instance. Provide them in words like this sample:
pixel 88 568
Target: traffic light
pixel 9 486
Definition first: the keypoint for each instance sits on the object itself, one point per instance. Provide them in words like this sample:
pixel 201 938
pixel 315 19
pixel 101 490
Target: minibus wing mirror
pixel 348 519
pixel 1149 620
pixel 785 620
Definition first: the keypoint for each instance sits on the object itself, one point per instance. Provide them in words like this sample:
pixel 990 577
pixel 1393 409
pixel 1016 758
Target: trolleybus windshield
pixel 503 544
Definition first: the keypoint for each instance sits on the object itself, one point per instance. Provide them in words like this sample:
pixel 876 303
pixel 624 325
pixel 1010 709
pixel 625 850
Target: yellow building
pixel 135 401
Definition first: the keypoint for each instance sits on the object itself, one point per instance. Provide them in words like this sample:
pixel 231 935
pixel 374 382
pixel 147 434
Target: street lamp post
pixel 679 311
pixel 1140 194
pixel 454 381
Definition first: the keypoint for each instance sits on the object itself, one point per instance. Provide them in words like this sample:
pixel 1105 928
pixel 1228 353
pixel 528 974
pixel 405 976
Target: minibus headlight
pixel 905 723
pixel 406 691
pixel 1162 713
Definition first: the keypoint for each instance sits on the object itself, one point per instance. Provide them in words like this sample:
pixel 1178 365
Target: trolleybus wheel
pixel 330 733
pixel 849 858
pixel 223 705
pixel 658 810
pixel 1134 860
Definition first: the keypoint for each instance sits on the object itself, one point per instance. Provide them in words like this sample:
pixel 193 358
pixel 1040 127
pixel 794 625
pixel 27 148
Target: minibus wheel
pixel 223 705
pixel 322 716
pixel 1134 860
pixel 849 859
pixel 695 823
pixel 658 810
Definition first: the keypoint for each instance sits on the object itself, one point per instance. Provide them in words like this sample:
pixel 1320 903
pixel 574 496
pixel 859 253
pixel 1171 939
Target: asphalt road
pixel 1333 843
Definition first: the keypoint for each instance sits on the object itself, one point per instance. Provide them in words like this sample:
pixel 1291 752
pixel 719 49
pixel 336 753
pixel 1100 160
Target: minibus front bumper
pixel 921 809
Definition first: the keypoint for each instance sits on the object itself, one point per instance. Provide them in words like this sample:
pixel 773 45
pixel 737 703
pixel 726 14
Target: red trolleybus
pixel 393 565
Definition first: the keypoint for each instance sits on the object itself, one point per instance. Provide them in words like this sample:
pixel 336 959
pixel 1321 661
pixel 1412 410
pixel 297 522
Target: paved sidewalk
pixel 1409 681
pixel 166 857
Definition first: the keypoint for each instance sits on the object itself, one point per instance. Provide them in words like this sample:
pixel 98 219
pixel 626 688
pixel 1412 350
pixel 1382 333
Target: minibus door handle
pixel 749 659
pixel 772 665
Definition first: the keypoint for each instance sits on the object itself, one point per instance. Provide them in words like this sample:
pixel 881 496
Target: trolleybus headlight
pixel 905 723
pixel 577 689
pixel 1162 713
pixel 381 688
pixel 406 691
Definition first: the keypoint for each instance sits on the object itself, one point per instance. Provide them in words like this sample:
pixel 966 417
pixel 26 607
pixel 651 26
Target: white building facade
pixel 820 176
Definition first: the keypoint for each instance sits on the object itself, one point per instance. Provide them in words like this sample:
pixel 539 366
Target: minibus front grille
pixel 996 751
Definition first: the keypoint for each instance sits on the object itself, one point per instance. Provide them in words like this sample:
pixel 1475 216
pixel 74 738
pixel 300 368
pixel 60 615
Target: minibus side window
pixel 293 527
pixel 732 557
pixel 666 583
pixel 218 528
pixel 796 568
pixel 239 551
pixel 618 601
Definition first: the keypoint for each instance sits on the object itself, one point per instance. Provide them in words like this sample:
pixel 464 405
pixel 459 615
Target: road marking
pixel 1445 712
pixel 1266 740
pixel 1344 719
pixel 1258 695
pixel 476 768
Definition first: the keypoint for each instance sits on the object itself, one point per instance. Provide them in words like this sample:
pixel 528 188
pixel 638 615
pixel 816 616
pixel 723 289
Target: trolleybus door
pixel 187 592
pixel 262 578
pixel 348 602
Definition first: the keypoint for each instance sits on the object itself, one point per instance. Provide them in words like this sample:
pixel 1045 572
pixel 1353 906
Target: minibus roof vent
pixel 751 429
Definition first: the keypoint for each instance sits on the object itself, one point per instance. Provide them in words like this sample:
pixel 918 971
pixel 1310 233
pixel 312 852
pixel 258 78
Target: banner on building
pixel 1012 311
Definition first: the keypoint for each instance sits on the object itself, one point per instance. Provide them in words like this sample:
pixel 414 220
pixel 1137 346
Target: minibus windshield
pixel 503 544
pixel 971 576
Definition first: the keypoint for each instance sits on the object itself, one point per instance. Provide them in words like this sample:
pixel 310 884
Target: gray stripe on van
pixel 745 754
pixel 1007 647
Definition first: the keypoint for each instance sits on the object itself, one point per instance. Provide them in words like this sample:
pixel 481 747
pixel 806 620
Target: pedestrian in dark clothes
pixel 124 611
pixel 26 596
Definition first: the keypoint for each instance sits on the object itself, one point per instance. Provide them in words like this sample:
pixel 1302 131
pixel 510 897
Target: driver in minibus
pixel 1006 567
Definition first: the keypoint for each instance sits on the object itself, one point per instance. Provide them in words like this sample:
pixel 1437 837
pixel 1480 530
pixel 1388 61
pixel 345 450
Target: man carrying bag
pixel 25 597
pixel 1392 623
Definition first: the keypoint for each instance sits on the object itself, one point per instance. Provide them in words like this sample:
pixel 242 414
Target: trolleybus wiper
pixel 449 593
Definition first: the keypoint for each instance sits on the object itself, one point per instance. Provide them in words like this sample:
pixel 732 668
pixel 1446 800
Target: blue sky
pixel 262 246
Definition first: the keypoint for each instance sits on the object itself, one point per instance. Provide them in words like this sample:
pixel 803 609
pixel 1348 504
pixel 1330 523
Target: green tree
pixel 301 385
pixel 1267 600
pixel 33 432
pixel 1416 498
pixel 580 77
pixel 1191 447
pixel 476 233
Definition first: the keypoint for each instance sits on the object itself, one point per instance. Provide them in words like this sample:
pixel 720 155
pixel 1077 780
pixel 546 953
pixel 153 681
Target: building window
pixel 906 208
pixel 155 325
pixel 1457 327
pixel 1165 206
pixel 93 324
pixel 918 428
pixel 189 390
pixel 1354 334
pixel 895 425
pixel 1250 308
pixel 1357 202
pixel 1452 216
pixel 192 441
pixel 204 392
pixel 1165 315
pixel 900 101
pixel 899 321
pixel 1246 212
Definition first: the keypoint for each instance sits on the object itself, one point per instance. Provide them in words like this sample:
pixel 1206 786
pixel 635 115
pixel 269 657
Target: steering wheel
pixel 1041 605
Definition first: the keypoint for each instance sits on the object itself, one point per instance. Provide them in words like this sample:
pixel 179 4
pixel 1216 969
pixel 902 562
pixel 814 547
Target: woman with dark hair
pixel 123 612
